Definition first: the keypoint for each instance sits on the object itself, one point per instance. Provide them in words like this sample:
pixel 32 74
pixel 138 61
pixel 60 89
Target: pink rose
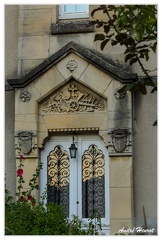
pixel 21 199
pixel 22 157
pixel 30 197
pixel 20 172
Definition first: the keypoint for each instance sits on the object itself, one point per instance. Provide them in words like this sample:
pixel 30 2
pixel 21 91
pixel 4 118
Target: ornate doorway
pixel 81 185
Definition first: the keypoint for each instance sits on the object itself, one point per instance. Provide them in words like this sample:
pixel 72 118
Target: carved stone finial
pixel 71 65
pixel 25 96
pixel 119 95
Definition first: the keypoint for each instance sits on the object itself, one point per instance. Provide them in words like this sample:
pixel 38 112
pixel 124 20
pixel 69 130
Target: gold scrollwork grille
pixel 93 182
pixel 59 178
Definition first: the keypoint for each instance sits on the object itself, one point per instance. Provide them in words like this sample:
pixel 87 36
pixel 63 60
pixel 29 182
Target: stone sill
pixel 71 27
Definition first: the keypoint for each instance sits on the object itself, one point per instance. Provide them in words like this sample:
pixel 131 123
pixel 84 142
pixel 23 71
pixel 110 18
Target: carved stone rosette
pixel 71 65
pixel 120 141
pixel 119 95
pixel 72 99
pixel 25 96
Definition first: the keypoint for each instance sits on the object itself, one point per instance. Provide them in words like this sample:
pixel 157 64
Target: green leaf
pixel 155 123
pixel 129 56
pixel 129 50
pixel 142 88
pixel 95 10
pixel 113 42
pixel 99 36
pixel 133 60
pixel 153 47
pixel 103 44
pixel 106 28
pixel 147 55
pixel 154 89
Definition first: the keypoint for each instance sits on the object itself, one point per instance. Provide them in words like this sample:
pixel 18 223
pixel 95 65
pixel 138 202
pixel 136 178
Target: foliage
pixel 22 219
pixel 26 217
pixel 135 27
pixel 25 196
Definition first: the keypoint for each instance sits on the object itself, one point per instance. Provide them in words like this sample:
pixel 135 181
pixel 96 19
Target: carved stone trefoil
pixel 72 99
pixel 71 65
pixel 25 143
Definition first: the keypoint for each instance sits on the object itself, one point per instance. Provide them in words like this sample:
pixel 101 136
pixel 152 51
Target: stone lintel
pixel 71 27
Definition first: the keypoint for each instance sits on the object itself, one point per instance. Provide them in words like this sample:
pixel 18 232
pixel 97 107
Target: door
pixel 79 184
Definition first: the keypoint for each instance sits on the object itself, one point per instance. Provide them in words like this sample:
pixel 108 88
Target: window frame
pixel 63 15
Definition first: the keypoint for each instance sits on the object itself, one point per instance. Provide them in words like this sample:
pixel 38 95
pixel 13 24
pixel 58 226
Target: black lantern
pixel 73 149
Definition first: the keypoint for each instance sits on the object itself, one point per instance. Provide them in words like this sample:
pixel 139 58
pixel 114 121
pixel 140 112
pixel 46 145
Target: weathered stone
pixel 71 27
pixel 87 54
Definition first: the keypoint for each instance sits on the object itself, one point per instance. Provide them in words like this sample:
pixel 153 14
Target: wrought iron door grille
pixel 93 182
pixel 59 178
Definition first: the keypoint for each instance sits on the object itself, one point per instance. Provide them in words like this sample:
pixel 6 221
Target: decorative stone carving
pixel 119 95
pixel 74 129
pixel 25 143
pixel 25 96
pixel 120 141
pixel 72 99
pixel 71 65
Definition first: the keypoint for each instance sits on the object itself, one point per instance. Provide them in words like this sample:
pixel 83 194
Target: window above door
pixel 70 11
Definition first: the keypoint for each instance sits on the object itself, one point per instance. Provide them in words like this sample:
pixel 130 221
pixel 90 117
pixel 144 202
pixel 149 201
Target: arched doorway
pixel 79 184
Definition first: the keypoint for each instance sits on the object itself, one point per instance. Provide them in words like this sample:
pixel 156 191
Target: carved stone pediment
pixel 72 98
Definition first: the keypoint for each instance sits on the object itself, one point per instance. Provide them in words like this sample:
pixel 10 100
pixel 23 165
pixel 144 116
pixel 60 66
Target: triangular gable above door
pixel 98 60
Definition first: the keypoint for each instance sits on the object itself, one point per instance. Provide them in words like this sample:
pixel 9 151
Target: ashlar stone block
pixel 118 224
pixel 34 21
pixel 121 171
pixel 95 78
pixel 30 49
pixel 47 83
pixel 121 203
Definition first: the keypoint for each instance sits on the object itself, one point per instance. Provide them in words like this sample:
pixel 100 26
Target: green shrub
pixel 26 217
pixel 22 219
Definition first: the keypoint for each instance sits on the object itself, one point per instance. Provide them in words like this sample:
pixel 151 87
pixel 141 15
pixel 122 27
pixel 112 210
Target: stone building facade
pixel 61 87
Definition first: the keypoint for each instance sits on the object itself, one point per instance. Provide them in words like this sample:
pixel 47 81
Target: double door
pixel 81 184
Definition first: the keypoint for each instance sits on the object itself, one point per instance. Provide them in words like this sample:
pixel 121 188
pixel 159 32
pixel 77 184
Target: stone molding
pixel 8 88
pixel 93 129
pixel 94 58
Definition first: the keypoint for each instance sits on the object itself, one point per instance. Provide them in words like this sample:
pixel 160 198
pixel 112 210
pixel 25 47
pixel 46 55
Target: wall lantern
pixel 73 149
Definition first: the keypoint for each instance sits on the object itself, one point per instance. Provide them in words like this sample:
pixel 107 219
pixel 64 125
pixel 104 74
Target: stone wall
pixel 145 157
pixel 11 60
